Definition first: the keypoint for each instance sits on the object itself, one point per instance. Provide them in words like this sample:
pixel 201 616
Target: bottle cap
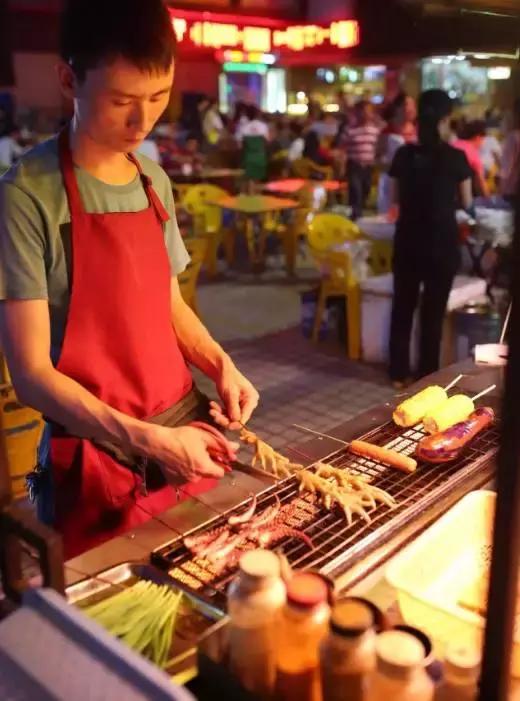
pixel 351 618
pixel 462 659
pixel 260 564
pixel 398 653
pixel 306 590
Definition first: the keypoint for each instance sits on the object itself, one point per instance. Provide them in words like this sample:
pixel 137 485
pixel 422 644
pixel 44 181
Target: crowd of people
pixel 357 144
pixel 353 144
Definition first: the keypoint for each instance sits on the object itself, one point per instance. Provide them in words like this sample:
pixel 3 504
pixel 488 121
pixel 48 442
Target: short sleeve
pixel 177 253
pixel 22 246
pixel 463 170
pixel 397 168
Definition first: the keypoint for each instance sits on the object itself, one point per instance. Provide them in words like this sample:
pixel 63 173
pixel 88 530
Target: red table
pixel 293 185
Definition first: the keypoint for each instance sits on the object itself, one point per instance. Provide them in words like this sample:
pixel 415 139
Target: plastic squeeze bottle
pixel 255 600
pixel 303 626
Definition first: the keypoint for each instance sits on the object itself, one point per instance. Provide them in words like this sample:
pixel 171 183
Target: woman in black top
pixel 429 180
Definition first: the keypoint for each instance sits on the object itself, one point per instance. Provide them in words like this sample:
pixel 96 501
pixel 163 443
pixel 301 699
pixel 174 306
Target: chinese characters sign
pixel 217 34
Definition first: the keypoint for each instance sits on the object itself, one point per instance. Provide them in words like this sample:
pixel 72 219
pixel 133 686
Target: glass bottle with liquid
pixel 303 626
pixel 348 653
pixel 461 674
pixel 255 600
pixel 400 672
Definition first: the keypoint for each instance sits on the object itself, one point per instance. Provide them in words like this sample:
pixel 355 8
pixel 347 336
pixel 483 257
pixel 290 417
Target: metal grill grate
pixel 336 544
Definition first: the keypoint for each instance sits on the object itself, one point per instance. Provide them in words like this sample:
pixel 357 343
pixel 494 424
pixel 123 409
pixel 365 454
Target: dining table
pixel 253 213
pixel 292 186
pixel 378 227
pixel 207 173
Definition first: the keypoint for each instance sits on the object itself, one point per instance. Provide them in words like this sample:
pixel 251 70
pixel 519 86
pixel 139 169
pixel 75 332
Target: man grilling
pixel 92 322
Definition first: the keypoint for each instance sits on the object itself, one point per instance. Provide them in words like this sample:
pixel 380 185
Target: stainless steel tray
pixel 195 617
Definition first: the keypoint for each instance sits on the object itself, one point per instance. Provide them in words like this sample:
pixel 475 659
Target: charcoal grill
pixel 337 545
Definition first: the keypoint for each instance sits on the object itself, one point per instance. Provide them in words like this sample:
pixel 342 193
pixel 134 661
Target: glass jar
pixel 348 653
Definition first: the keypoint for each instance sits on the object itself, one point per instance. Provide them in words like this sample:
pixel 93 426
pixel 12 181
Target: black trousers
pixel 359 179
pixel 436 280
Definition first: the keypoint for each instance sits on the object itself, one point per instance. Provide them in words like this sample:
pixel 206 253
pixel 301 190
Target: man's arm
pixel 25 340
pixel 202 351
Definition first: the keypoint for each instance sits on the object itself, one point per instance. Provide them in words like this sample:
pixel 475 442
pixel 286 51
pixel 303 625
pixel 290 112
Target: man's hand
pixel 238 396
pixel 188 453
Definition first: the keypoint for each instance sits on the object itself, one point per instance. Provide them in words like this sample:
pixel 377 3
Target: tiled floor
pixel 315 385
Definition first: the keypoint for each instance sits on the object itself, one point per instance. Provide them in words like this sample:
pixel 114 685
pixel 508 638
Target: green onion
pixel 143 617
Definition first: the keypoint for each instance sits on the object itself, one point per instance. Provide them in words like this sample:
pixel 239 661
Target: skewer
pixel 322 435
pixel 484 391
pixel 453 382
pixel 506 324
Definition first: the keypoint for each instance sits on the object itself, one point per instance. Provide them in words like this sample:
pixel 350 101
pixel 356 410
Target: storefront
pixel 477 81
pixel 325 85
pixel 250 59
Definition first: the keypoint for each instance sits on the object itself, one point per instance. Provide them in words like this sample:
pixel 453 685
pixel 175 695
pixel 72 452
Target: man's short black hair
pixel 98 31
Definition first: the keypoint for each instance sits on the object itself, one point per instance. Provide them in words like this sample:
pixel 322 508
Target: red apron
pixel 120 345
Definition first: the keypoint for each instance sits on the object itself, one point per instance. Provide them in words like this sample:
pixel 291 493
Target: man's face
pixel 192 145
pixel 118 104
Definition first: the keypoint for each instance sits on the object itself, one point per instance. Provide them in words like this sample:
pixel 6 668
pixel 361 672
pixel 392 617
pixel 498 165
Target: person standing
pixel 254 125
pixel 510 166
pixel 429 179
pixel 92 322
pixel 360 142
pixel 212 124
pixel 401 116
pixel 470 141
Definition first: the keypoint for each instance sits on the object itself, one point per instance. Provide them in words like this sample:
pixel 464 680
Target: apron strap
pixel 71 184
pixel 67 170
pixel 153 198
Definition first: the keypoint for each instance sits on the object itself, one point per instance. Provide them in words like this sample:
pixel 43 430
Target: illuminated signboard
pixel 216 33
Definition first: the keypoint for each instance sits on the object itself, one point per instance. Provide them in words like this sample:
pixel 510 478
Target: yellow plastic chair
pixel 179 190
pixel 380 257
pixel 289 234
pixel 338 280
pixel 207 219
pixel 327 230
pixel 197 248
pixel 21 429
pixel 306 168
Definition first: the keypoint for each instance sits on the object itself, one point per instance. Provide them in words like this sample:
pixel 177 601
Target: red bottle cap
pixel 307 590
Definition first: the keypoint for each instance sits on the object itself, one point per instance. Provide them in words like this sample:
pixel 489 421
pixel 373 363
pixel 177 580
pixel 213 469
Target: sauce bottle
pixel 348 653
pixel 400 672
pixel 302 628
pixel 461 674
pixel 255 599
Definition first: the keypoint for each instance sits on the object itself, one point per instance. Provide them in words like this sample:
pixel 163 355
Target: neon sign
pixel 218 33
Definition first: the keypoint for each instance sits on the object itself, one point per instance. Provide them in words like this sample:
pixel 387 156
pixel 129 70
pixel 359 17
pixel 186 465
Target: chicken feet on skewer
pixel 331 494
pixel 270 460
pixel 356 483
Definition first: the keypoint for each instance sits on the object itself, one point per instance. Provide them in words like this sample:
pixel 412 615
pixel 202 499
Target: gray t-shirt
pixel 35 242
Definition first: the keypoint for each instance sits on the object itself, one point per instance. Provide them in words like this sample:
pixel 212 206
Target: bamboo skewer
pixel 506 324
pixel 484 391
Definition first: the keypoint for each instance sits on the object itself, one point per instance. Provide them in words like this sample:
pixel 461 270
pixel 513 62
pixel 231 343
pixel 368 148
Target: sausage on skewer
pixel 384 455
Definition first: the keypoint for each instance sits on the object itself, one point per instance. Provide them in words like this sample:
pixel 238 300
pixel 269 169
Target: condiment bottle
pixel 302 628
pixel 400 672
pixel 255 600
pixel 461 674
pixel 348 653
